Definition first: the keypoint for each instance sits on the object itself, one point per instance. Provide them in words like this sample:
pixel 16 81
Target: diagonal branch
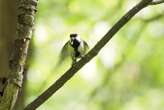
pixel 91 54
pixel 128 49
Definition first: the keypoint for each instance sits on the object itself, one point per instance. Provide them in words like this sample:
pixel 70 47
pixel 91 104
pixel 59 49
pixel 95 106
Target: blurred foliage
pixel 127 74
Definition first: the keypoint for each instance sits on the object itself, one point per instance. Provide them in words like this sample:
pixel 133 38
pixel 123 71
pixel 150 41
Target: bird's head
pixel 73 37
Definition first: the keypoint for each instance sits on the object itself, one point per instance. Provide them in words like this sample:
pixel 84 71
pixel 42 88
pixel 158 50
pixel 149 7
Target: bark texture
pixel 24 11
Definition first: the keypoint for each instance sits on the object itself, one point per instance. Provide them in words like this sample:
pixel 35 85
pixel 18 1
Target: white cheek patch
pixel 81 48
pixel 71 40
pixel 78 38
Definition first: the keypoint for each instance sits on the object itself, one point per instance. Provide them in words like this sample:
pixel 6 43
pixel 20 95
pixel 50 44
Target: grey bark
pixel 14 61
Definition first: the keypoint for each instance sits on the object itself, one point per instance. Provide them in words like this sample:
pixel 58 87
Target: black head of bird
pixel 75 48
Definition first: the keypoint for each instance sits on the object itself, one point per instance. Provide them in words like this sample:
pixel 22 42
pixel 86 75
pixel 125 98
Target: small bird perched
pixel 74 48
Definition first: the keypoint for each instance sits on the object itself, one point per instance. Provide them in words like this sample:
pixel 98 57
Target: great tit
pixel 75 48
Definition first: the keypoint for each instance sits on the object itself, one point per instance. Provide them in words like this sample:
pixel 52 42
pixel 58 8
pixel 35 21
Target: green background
pixel 127 74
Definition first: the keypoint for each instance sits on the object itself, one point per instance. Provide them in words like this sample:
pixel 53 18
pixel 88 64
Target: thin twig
pixel 91 54
pixel 156 2
pixel 154 18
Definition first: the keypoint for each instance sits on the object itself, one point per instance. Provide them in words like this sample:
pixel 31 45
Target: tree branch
pixel 156 2
pixel 128 49
pixel 91 54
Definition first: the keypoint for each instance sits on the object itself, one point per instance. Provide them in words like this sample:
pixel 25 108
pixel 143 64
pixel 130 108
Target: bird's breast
pixel 75 44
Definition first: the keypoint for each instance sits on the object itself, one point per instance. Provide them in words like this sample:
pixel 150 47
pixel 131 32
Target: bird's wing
pixel 65 52
pixel 86 46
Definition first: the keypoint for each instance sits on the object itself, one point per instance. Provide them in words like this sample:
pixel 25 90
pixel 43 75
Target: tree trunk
pixel 7 33
pixel 16 22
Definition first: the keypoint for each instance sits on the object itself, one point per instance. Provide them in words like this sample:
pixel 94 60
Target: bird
pixel 75 48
